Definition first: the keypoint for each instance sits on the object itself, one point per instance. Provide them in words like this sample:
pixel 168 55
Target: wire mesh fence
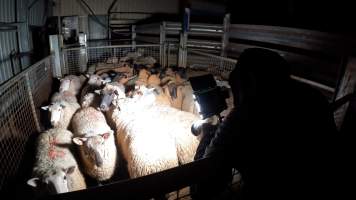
pixel 19 99
pixel 77 60
pixel 216 65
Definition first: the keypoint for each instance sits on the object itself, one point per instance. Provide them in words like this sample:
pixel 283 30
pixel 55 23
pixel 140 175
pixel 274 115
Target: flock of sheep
pixel 136 110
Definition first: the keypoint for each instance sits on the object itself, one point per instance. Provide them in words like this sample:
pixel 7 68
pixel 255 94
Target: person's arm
pixel 225 137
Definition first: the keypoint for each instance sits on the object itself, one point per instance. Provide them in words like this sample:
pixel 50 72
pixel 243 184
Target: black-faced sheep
pixel 96 143
pixel 56 168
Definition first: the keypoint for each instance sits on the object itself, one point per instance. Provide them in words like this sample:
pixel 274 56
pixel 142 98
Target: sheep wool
pixel 53 155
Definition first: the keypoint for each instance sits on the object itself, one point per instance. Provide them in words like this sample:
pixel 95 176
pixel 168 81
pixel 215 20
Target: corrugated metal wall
pixel 11 40
pixel 8 41
pixel 37 14
pixel 100 7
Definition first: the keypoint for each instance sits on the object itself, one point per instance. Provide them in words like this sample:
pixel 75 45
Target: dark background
pixel 329 16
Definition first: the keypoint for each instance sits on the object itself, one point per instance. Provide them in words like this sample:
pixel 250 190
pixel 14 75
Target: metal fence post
pixel 225 38
pixel 55 46
pixel 182 62
pixel 32 103
pixel 133 37
pixel 162 42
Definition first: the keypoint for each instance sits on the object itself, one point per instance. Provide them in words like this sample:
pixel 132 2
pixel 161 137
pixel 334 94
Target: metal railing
pixel 76 60
pixel 20 99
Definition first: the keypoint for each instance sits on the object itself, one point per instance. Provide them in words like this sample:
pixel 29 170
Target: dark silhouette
pixel 279 136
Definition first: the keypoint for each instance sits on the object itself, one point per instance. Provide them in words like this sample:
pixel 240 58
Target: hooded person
pixel 276 134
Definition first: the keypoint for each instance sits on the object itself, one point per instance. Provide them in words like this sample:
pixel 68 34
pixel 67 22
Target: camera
pixel 209 98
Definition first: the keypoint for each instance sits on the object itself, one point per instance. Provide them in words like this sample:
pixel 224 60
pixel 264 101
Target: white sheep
pixel 64 96
pixel 61 113
pixel 88 97
pixel 178 124
pixel 72 83
pixel 96 143
pixel 55 166
pixel 146 147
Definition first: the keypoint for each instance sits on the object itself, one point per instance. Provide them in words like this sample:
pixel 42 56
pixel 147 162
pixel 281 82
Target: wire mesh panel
pixel 172 54
pixel 216 65
pixel 40 80
pixel 18 119
pixel 78 59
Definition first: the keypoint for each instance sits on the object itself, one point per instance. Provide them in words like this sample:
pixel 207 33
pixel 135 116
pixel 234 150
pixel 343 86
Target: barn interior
pixel 44 42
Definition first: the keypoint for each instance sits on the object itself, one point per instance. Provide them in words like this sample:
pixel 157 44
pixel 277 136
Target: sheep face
pixel 94 147
pixel 65 84
pixel 110 95
pixel 56 111
pixel 55 182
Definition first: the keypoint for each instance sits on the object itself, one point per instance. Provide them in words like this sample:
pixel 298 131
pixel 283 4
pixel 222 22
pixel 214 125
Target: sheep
pixel 147 61
pixel 55 166
pixel 61 113
pixel 188 102
pixel 154 80
pixel 96 143
pixel 146 149
pixel 142 113
pixel 125 70
pixel 142 77
pixel 112 60
pixel 108 93
pixel 72 84
pixel 88 95
pixel 64 96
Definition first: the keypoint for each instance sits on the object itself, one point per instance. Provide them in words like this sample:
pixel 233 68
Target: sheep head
pixel 55 181
pixel 111 94
pixel 56 111
pixel 94 146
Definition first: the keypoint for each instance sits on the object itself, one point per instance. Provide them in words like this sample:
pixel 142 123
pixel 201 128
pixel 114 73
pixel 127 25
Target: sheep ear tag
pixel 97 92
pixel 45 107
pixel 33 182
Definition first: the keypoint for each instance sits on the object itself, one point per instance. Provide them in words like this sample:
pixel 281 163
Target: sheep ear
pixel 69 170
pixel 33 182
pixel 45 107
pixel 77 141
pixel 105 135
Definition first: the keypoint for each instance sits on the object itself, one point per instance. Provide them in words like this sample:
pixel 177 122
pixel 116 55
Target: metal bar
pixel 225 38
pixel 162 42
pixel 133 36
pixel 214 56
pixel 33 108
pixel 313 83
pixel 113 46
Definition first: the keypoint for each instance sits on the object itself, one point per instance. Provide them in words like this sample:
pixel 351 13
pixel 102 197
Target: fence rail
pixel 20 99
